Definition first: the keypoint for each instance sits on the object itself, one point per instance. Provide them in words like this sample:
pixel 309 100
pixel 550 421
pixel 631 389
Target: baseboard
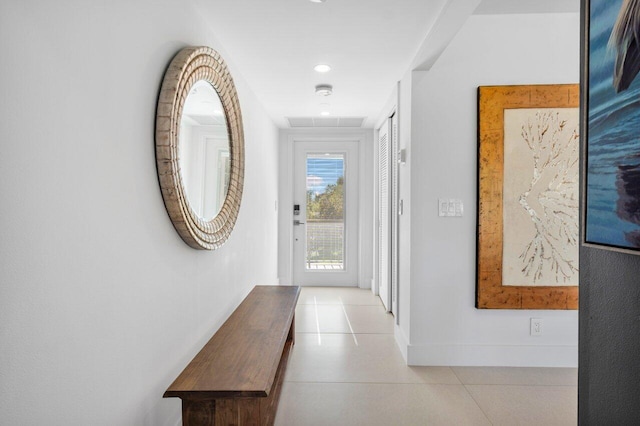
pixel 491 355
pixel 401 341
pixel 283 281
pixel 364 284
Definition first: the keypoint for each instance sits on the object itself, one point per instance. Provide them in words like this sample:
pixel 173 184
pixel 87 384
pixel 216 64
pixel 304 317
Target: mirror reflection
pixel 204 150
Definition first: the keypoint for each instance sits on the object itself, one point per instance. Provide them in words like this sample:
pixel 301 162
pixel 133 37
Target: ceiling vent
pixel 326 121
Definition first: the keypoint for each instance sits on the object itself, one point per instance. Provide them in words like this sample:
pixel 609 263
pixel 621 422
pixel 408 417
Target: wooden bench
pixel 237 376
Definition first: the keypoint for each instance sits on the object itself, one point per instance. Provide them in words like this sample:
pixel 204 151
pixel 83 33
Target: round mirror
pixel 204 150
pixel 200 147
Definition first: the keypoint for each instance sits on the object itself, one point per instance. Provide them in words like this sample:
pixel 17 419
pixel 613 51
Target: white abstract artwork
pixel 540 197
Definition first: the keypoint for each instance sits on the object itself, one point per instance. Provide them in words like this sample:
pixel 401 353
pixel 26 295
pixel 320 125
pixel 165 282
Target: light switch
pixel 450 207
pixel 443 206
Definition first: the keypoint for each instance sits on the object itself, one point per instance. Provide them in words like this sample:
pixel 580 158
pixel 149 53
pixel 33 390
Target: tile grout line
pixel 456 374
pixel 343 332
pixel 486 416
pixel 338 304
pixel 308 382
pixel 522 385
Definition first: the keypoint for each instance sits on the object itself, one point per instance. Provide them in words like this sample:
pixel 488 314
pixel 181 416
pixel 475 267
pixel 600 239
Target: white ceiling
pixel 368 43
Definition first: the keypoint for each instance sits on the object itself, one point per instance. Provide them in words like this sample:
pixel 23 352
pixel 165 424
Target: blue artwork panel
pixel 612 211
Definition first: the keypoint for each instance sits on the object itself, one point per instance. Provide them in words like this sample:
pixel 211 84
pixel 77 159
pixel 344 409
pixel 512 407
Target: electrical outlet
pixel 536 326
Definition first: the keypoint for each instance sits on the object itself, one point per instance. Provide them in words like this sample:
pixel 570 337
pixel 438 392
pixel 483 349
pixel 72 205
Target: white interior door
pixel 325 231
pixel 395 211
pixel 384 218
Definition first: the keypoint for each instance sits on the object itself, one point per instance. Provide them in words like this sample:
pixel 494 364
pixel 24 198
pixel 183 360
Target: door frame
pixel 364 138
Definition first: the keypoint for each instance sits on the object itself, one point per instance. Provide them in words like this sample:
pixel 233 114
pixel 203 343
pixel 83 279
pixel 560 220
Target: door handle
pixel 296 222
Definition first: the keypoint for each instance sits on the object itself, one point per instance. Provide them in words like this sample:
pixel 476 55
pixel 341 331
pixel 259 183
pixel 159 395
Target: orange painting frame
pixel 492 101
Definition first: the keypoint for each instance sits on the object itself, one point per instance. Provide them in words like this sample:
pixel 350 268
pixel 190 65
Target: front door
pixel 325 229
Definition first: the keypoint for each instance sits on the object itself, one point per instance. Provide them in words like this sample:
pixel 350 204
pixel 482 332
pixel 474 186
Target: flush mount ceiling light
pixel 325 113
pixel 317 1
pixel 322 68
pixel 324 89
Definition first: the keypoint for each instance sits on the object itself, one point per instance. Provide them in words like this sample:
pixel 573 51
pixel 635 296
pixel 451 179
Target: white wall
pixel 445 328
pixel 101 303
pixel 366 190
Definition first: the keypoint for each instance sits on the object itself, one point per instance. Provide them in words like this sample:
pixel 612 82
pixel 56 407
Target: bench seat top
pixel 242 357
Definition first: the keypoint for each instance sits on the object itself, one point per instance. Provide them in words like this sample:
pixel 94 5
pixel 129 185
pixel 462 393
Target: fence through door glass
pixel 325 211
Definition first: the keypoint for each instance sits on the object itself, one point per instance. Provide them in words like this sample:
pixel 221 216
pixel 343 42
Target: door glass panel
pixel 325 211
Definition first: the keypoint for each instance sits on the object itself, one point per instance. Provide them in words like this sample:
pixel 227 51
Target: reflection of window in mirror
pixel 224 174
pixel 213 186
pixel 204 141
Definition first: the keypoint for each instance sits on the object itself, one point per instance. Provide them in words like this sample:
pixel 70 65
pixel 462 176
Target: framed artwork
pixel 611 125
pixel 528 203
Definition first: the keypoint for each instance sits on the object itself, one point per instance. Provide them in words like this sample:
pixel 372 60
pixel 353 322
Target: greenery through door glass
pixel 325 211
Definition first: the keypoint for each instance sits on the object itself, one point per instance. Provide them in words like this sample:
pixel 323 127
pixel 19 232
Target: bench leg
pixel 222 412
pixel 291 337
pixel 198 412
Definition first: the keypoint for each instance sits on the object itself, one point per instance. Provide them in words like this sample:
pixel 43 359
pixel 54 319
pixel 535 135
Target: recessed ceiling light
pixel 324 89
pixel 322 68
pixel 317 1
pixel 325 109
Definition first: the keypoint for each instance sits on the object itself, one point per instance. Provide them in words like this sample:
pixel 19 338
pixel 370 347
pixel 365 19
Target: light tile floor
pixel 345 369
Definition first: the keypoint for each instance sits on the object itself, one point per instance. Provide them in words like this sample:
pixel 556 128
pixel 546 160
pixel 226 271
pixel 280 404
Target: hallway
pixel 346 369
